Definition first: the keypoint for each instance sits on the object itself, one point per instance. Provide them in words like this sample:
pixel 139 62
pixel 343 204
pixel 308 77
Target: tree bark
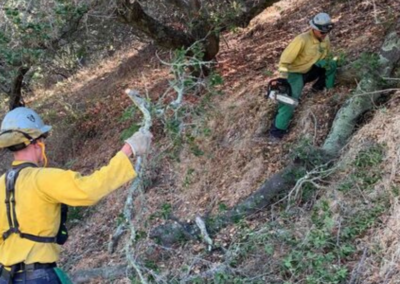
pixel 16 89
pixel 279 184
pixel 132 13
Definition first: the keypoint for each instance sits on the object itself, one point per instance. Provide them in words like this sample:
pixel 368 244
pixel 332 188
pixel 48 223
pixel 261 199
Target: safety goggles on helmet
pixel 324 28
pixel 322 22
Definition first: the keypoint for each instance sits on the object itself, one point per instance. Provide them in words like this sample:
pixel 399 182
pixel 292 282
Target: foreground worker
pixel 304 60
pixel 31 223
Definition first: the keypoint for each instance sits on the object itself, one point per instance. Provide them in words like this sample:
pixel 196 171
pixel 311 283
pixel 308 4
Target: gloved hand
pixel 140 142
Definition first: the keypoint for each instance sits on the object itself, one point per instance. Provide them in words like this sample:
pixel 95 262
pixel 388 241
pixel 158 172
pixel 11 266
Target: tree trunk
pixel 131 13
pixel 364 97
pixel 244 18
pixel 16 99
pixel 279 184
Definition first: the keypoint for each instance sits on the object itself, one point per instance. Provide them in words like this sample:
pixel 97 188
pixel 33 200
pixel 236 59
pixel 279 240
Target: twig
pixel 376 92
pixel 204 234
pixel 391 79
pixel 375 13
pixel 115 238
pixel 356 272
pixel 315 125
pixel 309 177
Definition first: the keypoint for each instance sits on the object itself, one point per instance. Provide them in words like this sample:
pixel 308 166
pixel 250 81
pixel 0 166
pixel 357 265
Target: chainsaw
pixel 279 90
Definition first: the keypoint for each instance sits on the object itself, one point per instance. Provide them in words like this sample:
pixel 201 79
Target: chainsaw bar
pixel 283 98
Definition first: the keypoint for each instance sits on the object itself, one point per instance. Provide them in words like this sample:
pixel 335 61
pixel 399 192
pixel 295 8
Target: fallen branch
pixel 116 237
pixel 356 272
pixel 84 276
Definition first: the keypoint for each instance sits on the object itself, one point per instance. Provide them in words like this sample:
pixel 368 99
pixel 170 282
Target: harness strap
pixel 11 177
pixel 38 239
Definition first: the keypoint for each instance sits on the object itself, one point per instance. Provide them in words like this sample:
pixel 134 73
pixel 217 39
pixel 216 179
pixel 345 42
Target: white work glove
pixel 140 142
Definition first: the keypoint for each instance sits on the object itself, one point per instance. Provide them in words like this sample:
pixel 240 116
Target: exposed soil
pixel 237 156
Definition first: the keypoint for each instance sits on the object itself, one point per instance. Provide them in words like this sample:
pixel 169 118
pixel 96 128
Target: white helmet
pixel 20 127
pixel 322 22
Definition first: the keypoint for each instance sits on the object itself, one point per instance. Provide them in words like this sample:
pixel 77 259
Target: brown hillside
pixel 87 113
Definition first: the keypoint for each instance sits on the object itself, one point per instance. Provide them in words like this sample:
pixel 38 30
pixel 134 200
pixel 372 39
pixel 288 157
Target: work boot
pixel 318 86
pixel 276 134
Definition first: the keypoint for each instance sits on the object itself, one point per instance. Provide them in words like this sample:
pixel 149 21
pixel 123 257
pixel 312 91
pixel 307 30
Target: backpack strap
pixel 11 177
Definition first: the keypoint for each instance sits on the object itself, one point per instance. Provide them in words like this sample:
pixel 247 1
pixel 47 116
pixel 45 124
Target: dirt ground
pixel 237 156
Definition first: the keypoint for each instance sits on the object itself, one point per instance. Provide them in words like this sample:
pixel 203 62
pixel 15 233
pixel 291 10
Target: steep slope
pixel 227 159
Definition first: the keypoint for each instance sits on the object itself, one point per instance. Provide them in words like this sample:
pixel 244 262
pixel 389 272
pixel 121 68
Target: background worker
pixel 304 60
pixel 31 216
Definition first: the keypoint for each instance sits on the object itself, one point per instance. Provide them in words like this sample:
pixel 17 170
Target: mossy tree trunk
pixel 366 94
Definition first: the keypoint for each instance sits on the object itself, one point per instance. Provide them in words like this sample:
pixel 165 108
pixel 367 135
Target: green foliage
pixel 129 131
pixel 163 213
pixel 223 14
pixel 370 157
pixel 317 251
pixel 306 153
pixel 222 207
pixel 188 177
pixel 30 31
pixel 75 214
pixel 128 114
pixel 366 169
pixel 368 64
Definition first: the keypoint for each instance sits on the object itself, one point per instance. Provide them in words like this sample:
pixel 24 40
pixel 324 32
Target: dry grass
pixel 235 161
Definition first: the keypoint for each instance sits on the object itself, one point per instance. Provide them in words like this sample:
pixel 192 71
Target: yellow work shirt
pixel 39 193
pixel 304 51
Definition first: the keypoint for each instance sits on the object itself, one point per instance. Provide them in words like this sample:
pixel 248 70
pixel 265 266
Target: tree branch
pixel 243 19
pixel 16 89
pixel 132 13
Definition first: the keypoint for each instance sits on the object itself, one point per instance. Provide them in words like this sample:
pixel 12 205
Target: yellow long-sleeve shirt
pixel 39 192
pixel 304 51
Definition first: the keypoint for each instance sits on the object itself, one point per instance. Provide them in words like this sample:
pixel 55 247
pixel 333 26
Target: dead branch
pixel 84 276
pixel 115 238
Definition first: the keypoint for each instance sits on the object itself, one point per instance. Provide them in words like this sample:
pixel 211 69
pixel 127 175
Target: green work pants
pixel 296 81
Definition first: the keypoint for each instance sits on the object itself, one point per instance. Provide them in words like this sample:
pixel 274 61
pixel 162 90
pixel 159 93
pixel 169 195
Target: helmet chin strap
pixel 43 148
